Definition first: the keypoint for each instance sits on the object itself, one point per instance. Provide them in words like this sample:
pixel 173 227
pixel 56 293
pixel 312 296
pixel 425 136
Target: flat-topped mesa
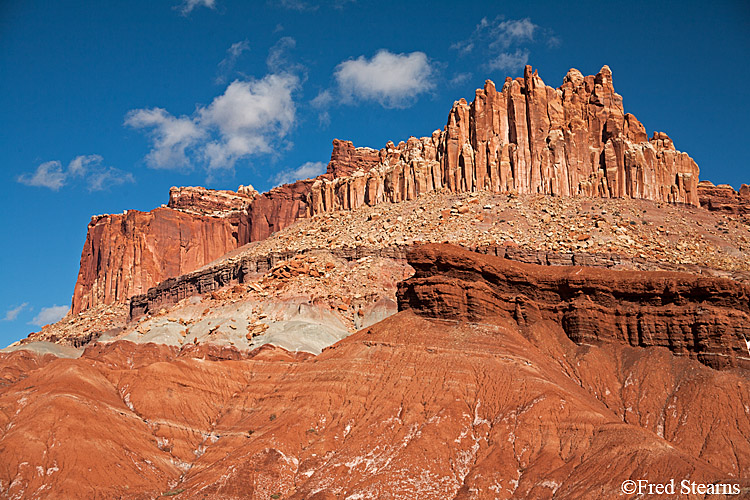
pixel 126 254
pixel 524 138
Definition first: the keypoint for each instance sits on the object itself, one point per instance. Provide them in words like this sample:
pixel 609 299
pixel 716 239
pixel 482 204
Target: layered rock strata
pixel 723 198
pixel 217 203
pixel 126 254
pixel 410 407
pixel 233 271
pixel 700 317
pixel 245 268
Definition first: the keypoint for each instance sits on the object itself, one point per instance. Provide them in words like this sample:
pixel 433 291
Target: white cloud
pixel 171 136
pixel 12 314
pixel 248 118
pixel 49 174
pixel 49 315
pixel 511 62
pixel 105 178
pixel 278 59
pixel 390 79
pixel 227 64
pixel 504 43
pixel 307 170
pixel 459 79
pixel 512 31
pixel 298 5
pixel 322 102
pixel 187 6
pixel 89 168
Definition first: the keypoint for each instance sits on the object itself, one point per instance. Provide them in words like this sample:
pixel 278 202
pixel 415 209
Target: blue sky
pixel 105 105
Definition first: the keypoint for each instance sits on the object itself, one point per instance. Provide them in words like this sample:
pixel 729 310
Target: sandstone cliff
pixel 126 254
pixel 525 138
pixel 701 317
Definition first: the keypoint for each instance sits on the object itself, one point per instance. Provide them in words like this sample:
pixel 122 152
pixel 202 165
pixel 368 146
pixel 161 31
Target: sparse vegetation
pixel 272 417
pixel 172 493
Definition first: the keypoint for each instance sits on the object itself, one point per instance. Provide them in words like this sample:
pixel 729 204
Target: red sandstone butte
pixel 126 254
pixel 525 137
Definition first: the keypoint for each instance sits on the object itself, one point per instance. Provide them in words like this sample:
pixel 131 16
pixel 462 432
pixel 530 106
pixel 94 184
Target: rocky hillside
pixel 524 138
pixel 457 396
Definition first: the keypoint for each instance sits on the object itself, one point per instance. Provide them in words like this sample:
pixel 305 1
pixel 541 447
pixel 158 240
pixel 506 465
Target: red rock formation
pixel 283 205
pixel 723 198
pixel 346 159
pixel 278 208
pixel 702 317
pixel 218 203
pixel 126 254
pixel 526 137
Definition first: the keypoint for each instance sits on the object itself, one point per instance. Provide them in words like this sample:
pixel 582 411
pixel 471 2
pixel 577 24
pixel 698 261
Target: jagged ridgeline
pixel 525 137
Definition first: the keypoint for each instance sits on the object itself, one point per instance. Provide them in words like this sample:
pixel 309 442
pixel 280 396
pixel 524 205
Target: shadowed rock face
pixel 701 317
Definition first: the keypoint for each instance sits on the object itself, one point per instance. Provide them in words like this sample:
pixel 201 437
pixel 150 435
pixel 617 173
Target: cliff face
pixel 126 254
pixel 525 138
pixel 700 317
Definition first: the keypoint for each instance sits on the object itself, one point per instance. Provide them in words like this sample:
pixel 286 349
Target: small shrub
pixel 276 495
pixel 272 417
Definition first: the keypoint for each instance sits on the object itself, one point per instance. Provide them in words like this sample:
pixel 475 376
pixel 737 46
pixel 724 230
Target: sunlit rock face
pixel 524 137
